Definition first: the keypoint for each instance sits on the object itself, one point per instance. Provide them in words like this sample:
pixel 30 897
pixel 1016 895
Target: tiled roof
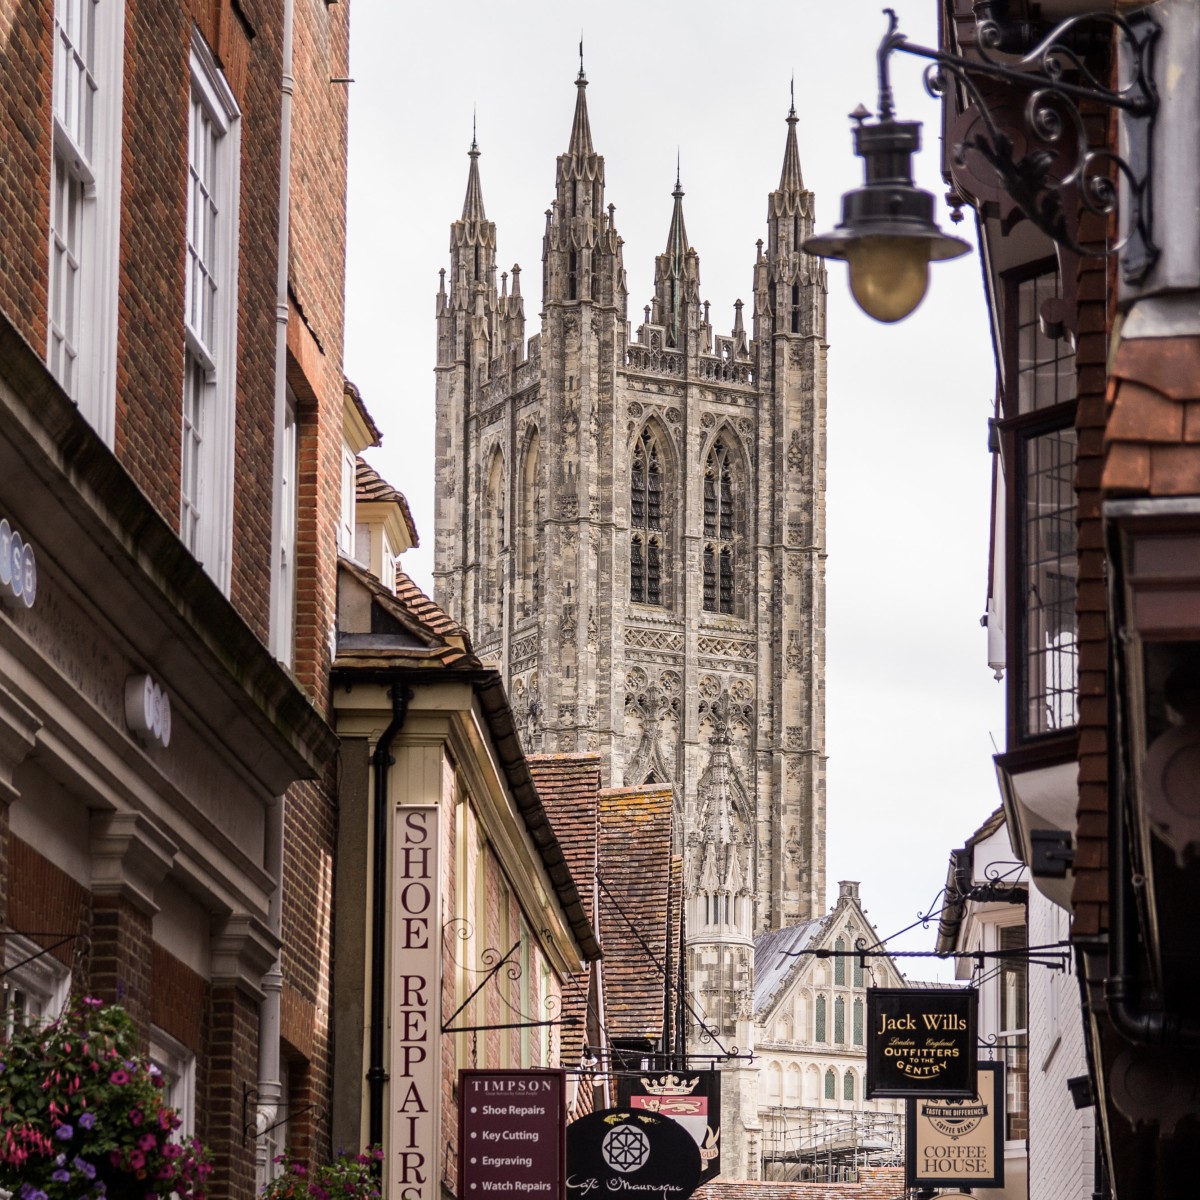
pixel 569 787
pixel 423 634
pixel 875 1183
pixel 351 390
pixel 1154 422
pixel 773 957
pixel 371 487
pixel 636 872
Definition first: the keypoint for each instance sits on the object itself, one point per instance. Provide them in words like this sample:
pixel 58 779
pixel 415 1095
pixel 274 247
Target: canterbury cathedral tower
pixel 632 525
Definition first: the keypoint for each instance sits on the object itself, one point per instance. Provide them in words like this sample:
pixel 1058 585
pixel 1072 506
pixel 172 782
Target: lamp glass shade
pixel 888 275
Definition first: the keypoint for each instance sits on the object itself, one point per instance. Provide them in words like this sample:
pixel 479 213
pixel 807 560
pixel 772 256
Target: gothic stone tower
pixel 634 529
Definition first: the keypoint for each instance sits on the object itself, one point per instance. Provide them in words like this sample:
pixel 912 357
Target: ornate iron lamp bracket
pixel 1057 79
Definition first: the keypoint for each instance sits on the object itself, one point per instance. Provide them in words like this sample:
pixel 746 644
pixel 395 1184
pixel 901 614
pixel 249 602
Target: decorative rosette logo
pixel 625 1148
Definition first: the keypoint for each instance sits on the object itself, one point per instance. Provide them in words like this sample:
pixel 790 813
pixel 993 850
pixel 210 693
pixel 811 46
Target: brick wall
pixel 316 274
pixel 43 898
pixel 232 1062
pixel 1061 1137
pixel 25 32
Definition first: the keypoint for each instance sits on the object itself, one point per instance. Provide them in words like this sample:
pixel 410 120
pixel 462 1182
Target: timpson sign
pixel 921 1042
pixel 958 1142
pixel 512 1134
pixel 416 989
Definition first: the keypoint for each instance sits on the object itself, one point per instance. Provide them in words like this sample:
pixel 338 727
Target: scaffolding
pixel 828 1145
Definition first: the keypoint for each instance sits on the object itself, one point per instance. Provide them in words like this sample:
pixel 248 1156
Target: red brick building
pixel 1093 613
pixel 174 432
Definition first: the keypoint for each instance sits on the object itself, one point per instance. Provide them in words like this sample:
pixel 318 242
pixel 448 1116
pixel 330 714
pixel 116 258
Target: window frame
pixel 1018 430
pixel 93 173
pixel 650 547
pixel 284 623
pixel 210 362
pixel 34 972
pixel 719 547
pixel 176 1063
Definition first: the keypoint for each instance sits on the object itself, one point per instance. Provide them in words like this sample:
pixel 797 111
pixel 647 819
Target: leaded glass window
pixel 718 530
pixel 830 1085
pixel 848 1086
pixel 858 1022
pixel 647 545
pixel 839 963
pixel 820 1019
pixel 839 1020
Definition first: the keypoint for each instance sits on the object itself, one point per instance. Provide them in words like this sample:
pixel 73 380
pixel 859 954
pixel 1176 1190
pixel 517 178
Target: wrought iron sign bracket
pixel 1057 80
pixel 82 949
pixel 1053 954
pixel 250 1100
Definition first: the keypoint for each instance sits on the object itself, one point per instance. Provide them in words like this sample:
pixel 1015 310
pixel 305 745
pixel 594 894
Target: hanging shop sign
pixel 414 1066
pixel 921 1042
pixel 511 1134
pixel 953 1141
pixel 18 567
pixel 630 1152
pixel 693 1099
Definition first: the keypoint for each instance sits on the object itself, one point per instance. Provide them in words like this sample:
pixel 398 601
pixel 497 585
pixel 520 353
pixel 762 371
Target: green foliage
pixel 348 1177
pixel 82 1115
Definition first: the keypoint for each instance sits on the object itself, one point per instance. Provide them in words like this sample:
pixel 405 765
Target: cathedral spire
pixel 677 242
pixel 473 204
pixel 580 148
pixel 791 180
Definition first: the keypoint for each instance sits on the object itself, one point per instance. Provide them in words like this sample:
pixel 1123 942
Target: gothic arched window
pixel 839 963
pixel 830 1085
pixel 858 972
pixel 839 1020
pixel 648 532
pixel 848 1086
pixel 493 542
pixel 858 1021
pixel 530 499
pixel 718 529
pixel 820 1021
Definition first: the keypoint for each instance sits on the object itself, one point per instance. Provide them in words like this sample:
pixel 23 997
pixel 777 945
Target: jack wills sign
pixel 921 1042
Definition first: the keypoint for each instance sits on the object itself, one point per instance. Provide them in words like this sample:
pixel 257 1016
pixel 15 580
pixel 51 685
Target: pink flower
pixel 120 1077
pixel 135 1116
pixel 137 1159
pixel 147 1142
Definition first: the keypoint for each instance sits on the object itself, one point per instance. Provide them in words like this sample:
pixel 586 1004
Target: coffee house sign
pixel 921 1042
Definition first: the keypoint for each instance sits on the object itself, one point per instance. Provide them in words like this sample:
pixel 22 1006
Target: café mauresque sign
pixel 632 1153
pixel 921 1042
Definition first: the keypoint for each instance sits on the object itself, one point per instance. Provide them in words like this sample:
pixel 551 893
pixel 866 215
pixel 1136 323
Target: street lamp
pixel 887 234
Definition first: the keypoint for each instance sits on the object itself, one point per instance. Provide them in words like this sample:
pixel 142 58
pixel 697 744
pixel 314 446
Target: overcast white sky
pixel 912 706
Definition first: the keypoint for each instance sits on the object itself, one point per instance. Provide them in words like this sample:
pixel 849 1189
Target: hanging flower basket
pixel 348 1177
pixel 82 1115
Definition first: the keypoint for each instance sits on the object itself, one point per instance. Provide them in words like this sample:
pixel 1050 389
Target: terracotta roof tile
pixel 569 788
pixel 635 906
pixel 1175 470
pixel 875 1183
pixel 436 639
pixel 371 487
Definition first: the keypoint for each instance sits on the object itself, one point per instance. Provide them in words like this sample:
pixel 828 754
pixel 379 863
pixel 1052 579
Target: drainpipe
pixel 381 761
pixel 270 1098
pixel 286 87
pixel 270 1090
